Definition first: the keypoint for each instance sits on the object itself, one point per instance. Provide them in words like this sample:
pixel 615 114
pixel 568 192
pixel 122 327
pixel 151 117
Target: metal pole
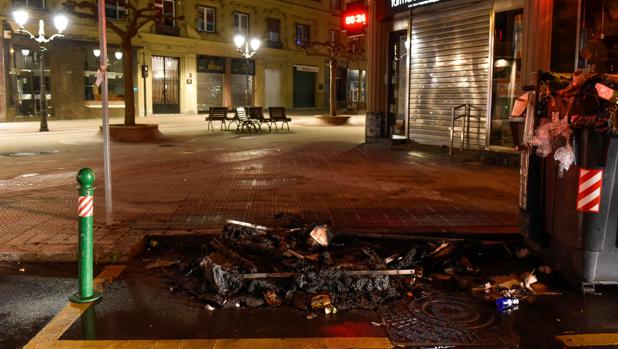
pixel 42 93
pixel 450 148
pixel 85 211
pixel 144 77
pixel 247 82
pixel 109 219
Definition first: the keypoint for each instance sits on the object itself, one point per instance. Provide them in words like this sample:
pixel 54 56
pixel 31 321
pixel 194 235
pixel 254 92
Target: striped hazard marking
pixel 85 206
pixel 589 192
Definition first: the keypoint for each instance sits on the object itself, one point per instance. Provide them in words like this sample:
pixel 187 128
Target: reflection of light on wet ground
pixel 26 175
pixel 28 181
pixel 245 155
pixel 27 153
pixel 417 154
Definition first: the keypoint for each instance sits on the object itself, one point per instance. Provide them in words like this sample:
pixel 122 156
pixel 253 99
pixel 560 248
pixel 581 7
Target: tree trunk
pixel 127 74
pixel 333 85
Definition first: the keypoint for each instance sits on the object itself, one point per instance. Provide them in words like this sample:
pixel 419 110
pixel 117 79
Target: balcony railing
pixel 167 30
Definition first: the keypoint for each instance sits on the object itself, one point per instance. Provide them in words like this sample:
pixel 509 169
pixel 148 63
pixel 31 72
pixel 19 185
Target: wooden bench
pixel 277 114
pixel 217 114
pixel 244 122
pixel 257 114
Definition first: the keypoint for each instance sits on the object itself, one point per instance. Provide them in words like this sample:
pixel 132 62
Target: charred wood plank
pixel 347 272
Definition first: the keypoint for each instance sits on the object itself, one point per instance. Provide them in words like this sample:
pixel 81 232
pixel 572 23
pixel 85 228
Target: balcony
pixel 167 30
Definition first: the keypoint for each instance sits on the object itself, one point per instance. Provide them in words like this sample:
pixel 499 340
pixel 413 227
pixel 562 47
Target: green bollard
pixel 85 209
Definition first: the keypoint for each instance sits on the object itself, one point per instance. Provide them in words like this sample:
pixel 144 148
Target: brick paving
pixel 195 180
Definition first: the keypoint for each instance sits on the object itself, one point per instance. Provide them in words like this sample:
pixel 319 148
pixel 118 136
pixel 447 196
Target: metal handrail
pixel 465 122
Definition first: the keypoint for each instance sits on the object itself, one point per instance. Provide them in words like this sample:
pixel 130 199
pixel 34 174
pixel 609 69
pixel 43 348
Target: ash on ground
pixel 311 268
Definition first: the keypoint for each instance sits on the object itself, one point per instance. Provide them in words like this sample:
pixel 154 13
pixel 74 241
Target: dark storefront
pixel 596 47
pixel 449 53
pixel 25 79
pixel 242 89
pixel 223 80
pixel 210 75
pixel 69 71
pixel 304 86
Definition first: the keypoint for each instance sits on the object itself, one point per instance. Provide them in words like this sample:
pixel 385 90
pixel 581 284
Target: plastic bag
pixel 545 135
pixel 565 157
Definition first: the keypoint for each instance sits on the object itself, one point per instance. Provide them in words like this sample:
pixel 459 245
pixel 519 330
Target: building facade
pixel 189 55
pixel 427 57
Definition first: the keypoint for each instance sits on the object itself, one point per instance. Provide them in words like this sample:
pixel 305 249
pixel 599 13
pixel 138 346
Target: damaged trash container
pixel 572 219
pixel 579 237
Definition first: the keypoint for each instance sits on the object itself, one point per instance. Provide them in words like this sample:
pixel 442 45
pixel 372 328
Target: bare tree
pixel 127 29
pixel 332 51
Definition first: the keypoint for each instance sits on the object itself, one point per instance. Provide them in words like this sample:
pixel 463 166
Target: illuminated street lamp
pixel 60 22
pixel 247 49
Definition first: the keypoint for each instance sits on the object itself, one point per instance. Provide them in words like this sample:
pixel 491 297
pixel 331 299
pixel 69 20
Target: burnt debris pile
pixel 310 268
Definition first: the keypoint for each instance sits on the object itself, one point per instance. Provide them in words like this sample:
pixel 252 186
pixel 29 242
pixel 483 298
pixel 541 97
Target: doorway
pixel 506 77
pixel 397 75
pixel 272 87
pixel 165 85
pixel 304 88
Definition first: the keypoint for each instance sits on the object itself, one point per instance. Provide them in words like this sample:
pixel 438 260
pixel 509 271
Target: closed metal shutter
pixel 449 67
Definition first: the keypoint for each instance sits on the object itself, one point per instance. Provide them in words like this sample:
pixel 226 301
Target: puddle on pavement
pixel 141 305
pixel 26 175
pixel 245 155
pixel 24 154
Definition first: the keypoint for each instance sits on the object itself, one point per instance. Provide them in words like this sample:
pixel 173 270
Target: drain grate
pixel 445 321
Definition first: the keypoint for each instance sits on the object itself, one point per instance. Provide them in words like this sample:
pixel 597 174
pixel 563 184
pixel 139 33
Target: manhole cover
pixel 444 320
pixel 452 312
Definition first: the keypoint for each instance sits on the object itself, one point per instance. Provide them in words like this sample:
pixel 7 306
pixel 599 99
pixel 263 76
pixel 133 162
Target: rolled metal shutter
pixel 449 67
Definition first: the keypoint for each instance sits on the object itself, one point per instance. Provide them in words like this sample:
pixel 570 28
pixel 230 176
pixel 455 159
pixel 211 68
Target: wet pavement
pixel 139 305
pixel 196 179
pixel 31 297
pixel 537 323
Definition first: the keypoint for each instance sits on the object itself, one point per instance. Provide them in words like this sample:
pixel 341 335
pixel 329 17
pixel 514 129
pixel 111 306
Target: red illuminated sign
pixel 354 19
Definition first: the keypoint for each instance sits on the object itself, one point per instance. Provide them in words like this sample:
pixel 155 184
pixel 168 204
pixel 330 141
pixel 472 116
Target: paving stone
pixel 321 173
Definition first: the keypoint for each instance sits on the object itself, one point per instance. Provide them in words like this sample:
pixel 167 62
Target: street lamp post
pixel 60 22
pixel 247 49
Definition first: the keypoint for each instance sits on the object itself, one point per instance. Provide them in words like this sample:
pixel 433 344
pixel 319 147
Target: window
pixel 115 79
pixel 114 9
pixel 241 23
pixel 302 34
pixel 40 4
pixel 168 12
pixel 355 46
pixel 24 80
pixel 334 36
pixel 272 28
pixel 598 37
pixel 506 78
pixel 206 19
